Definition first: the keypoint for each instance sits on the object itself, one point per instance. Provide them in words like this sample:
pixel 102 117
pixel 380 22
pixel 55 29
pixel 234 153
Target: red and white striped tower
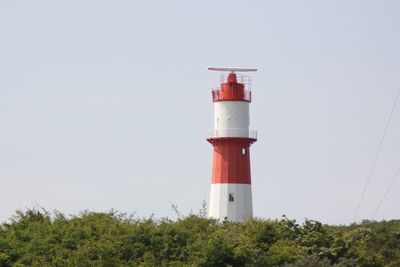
pixel 230 196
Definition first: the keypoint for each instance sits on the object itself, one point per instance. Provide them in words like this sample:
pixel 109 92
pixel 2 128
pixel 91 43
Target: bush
pixel 38 238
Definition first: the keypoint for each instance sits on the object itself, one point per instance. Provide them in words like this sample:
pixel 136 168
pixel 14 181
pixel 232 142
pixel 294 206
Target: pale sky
pixel 106 104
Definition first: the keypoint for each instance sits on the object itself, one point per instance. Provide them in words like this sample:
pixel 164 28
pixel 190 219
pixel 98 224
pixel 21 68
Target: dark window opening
pixel 231 197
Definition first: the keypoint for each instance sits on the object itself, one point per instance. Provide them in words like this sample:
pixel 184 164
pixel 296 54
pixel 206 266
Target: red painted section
pixel 230 165
pixel 231 91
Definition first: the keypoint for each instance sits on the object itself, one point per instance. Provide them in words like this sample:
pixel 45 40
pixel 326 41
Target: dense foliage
pixel 38 238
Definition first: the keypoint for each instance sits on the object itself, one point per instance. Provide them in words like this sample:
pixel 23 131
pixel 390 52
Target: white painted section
pixel 238 210
pixel 231 119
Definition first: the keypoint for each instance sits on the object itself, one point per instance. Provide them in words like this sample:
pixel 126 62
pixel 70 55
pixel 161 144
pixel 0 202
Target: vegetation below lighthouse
pixel 38 238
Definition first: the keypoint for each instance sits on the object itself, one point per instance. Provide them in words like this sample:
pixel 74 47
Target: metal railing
pixel 243 79
pixel 232 132
pixel 216 95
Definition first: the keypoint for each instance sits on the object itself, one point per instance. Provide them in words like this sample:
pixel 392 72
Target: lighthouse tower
pixel 230 196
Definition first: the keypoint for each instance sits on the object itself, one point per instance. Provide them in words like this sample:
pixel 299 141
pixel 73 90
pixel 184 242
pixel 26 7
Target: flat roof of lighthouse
pixel 232 69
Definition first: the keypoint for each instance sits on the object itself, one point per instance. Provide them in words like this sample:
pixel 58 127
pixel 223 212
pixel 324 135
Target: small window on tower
pixel 231 197
pixel 244 151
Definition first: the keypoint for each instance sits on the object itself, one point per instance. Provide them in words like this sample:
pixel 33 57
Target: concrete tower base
pixel 231 201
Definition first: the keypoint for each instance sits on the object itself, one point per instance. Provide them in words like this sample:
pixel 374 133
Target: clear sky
pixel 106 104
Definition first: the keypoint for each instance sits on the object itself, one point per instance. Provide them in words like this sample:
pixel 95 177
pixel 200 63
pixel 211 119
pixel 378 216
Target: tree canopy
pixel 39 238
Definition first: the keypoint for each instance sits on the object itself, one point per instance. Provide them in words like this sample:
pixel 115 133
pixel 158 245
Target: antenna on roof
pixel 232 69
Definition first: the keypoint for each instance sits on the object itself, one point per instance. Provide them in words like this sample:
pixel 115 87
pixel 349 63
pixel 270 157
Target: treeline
pixel 38 238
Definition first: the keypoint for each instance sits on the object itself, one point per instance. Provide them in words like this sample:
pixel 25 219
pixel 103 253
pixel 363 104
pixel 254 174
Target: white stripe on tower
pixel 238 209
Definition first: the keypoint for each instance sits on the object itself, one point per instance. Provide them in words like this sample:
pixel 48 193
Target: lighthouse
pixel 231 137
